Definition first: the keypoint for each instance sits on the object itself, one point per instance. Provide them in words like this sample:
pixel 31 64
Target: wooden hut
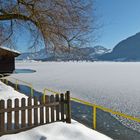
pixel 7 60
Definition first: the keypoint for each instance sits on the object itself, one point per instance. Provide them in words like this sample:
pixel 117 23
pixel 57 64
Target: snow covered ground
pixel 114 85
pixel 54 131
pixel 58 131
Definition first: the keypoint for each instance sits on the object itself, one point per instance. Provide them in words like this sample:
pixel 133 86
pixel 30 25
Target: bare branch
pixel 64 22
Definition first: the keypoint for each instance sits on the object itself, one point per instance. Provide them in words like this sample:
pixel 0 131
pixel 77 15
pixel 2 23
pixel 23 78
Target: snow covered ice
pixel 115 85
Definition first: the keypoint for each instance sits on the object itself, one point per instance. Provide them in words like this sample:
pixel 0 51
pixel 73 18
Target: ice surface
pixel 114 85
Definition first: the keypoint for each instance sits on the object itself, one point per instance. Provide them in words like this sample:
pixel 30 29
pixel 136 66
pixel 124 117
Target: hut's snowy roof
pixel 16 53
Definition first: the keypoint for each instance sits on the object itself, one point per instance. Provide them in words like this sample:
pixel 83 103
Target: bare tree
pixel 56 22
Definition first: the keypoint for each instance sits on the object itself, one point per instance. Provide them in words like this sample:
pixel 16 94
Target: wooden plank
pixel 62 106
pixel 9 115
pixel 52 108
pixel 16 114
pixel 28 107
pixel 2 116
pixel 41 111
pixel 68 107
pixel 47 108
pixel 57 107
pixel 30 111
pixel 23 113
pixel 35 112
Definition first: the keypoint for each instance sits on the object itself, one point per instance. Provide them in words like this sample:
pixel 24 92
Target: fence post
pixel 57 107
pixel 35 112
pixel 3 80
pixel 1 76
pixel 41 111
pixel 9 115
pixel 23 113
pixel 62 106
pixel 44 95
pixel 16 114
pixel 52 108
pixel 32 92
pixel 68 108
pixel 47 100
pixel 2 116
pixel 29 112
pixel 6 82
pixel 16 85
pixel 94 117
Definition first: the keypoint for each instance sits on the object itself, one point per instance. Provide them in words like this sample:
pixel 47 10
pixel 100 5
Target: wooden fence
pixel 23 114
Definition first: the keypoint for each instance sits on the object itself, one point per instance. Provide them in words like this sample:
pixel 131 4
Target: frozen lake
pixel 114 85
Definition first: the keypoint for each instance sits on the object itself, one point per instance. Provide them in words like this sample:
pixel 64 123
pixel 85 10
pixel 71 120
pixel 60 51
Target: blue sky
pixel 119 19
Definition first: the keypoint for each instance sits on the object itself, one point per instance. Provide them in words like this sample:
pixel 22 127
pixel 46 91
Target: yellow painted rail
pixel 17 81
pixel 94 106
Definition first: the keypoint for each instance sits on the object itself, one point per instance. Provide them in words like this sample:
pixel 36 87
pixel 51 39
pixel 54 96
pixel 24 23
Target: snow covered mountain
pixel 125 50
pixel 89 53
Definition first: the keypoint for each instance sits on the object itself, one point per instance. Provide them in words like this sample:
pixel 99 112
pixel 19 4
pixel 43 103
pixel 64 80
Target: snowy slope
pixel 7 92
pixel 58 131
pixel 54 131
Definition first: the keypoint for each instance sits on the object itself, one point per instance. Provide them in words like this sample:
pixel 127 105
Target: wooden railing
pixel 23 114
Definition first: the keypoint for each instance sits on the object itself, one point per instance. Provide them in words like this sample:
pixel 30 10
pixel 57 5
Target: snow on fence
pixel 22 114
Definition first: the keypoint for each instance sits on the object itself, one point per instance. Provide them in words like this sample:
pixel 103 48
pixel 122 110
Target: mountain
pixel 98 51
pixel 62 54
pixel 126 50
pixel 33 55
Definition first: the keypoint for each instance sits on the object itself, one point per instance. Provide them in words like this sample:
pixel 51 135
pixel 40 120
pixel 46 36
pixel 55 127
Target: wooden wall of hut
pixel 7 64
